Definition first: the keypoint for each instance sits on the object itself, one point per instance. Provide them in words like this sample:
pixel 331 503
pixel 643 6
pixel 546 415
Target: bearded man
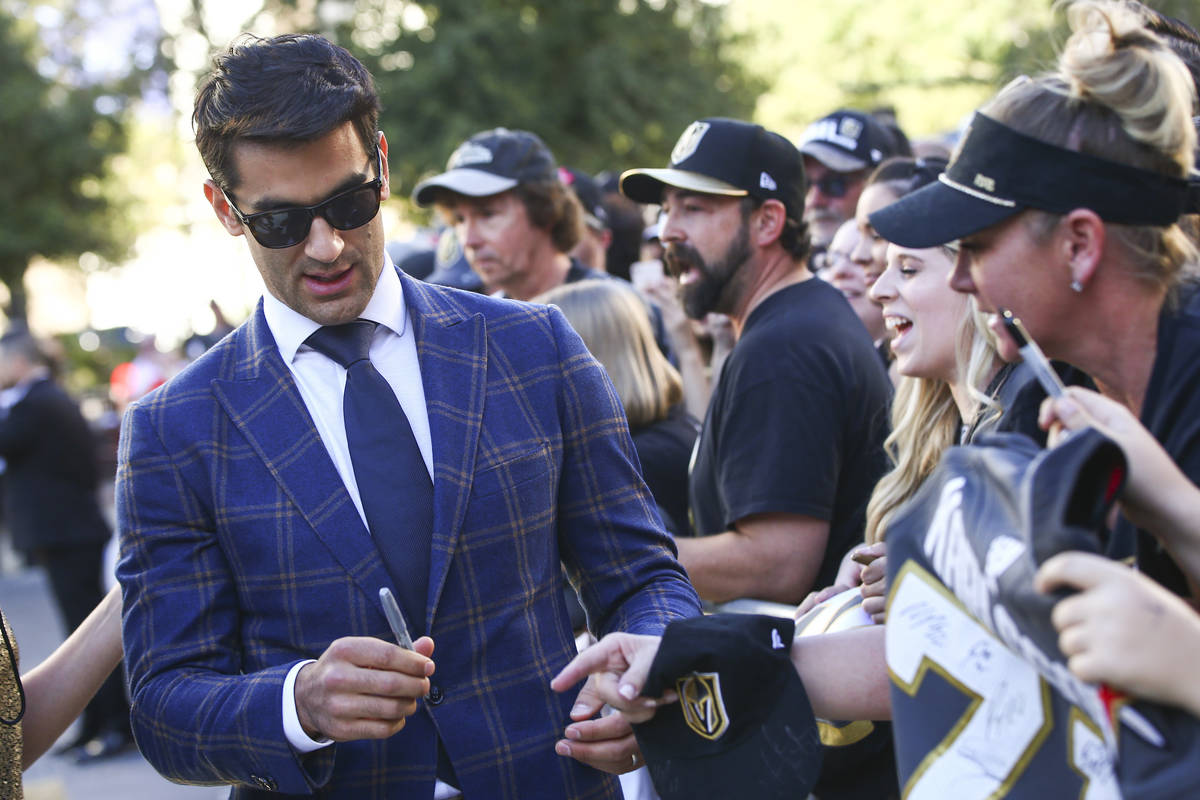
pixel 792 443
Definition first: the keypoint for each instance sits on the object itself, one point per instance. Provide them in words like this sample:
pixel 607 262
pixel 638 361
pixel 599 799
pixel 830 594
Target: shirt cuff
pixel 300 741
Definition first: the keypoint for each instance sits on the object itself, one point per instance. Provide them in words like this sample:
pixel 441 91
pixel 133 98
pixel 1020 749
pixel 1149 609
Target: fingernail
pixel 572 733
pixel 579 708
pixel 627 691
pixel 562 749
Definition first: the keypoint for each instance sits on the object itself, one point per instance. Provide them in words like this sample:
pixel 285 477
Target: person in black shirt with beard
pixel 792 440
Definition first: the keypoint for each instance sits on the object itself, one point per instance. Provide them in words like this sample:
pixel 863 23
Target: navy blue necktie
pixel 393 483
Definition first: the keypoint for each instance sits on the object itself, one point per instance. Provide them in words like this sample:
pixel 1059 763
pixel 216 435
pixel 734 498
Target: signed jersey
pixel 983 705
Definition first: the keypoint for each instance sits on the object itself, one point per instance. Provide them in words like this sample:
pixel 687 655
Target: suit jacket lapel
pixel 262 400
pixel 452 350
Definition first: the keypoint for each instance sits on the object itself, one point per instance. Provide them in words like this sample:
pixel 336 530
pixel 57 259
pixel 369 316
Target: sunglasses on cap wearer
pixel 287 227
pixel 836 184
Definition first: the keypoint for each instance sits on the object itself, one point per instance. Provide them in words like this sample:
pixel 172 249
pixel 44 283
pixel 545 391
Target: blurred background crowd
pixel 108 248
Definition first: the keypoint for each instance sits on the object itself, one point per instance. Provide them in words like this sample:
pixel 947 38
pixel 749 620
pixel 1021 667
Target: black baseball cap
pixel 727 157
pixel 589 193
pixel 848 141
pixel 743 726
pixel 489 163
pixel 999 172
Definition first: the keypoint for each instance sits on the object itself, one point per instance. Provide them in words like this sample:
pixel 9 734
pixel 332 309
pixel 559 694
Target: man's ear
pixel 220 206
pixel 1083 237
pixel 385 190
pixel 766 225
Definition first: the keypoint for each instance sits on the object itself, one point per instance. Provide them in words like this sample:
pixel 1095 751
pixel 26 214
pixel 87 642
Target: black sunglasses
pixel 835 184
pixel 287 227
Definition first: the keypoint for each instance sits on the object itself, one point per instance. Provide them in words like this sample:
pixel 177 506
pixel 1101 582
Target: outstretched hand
pixel 616 668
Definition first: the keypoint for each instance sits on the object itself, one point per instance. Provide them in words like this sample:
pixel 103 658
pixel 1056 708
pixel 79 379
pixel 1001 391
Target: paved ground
pixel 26 601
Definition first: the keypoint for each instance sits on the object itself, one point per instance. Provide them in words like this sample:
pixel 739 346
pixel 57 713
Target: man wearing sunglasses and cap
pixel 792 443
pixel 364 431
pixel 840 150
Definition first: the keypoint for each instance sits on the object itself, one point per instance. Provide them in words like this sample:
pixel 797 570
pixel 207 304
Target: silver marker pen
pixel 391 609
pixel 1032 354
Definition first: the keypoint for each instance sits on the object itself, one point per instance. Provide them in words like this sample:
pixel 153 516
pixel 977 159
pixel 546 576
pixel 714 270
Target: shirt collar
pixel 386 306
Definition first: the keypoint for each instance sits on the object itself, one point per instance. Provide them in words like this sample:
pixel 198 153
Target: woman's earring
pixel 1076 286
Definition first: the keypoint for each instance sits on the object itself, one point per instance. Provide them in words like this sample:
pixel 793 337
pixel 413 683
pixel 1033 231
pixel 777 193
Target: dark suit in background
pixel 54 517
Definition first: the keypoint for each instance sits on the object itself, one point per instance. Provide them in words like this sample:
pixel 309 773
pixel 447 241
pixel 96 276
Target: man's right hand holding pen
pixel 362 688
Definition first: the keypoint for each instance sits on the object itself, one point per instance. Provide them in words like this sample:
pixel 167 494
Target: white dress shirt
pixel 322 383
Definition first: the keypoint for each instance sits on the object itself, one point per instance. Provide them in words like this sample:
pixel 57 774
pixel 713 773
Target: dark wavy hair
pixel 287 89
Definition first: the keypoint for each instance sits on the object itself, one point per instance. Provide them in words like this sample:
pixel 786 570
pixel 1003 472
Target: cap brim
pixel 469 182
pixel 937 214
pixel 781 758
pixel 832 157
pixel 646 185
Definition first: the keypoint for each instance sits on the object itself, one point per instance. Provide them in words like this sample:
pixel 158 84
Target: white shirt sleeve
pixel 297 738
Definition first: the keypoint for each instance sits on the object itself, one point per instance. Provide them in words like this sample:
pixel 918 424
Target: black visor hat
pixel 999 172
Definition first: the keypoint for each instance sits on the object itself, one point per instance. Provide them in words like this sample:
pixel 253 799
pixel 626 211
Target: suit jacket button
pixel 435 696
pixel 263 783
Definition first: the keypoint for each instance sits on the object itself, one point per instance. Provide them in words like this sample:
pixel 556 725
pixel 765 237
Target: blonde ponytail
pixel 1119 94
pixel 1114 61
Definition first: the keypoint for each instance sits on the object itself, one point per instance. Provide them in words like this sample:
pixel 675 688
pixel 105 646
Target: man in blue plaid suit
pixel 257 649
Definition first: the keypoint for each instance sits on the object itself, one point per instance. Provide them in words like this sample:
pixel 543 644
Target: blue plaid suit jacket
pixel 242 553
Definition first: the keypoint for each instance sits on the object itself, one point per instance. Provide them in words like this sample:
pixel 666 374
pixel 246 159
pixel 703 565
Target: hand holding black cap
pixel 743 726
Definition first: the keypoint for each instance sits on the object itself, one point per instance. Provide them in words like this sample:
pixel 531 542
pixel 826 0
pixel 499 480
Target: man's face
pixel 499 241
pixel 831 199
pixel 707 240
pixel 330 276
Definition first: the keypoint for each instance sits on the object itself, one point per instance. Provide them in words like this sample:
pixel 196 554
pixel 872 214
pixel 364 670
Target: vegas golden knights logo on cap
pixel 703 707
pixel 689 140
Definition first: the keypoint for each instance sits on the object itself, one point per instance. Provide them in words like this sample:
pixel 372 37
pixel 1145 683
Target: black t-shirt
pixel 797 422
pixel 664 448
pixel 1171 412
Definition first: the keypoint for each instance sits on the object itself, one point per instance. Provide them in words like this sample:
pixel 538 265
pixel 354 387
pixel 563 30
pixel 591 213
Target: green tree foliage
pixel 608 84
pixel 58 140
pixel 932 62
